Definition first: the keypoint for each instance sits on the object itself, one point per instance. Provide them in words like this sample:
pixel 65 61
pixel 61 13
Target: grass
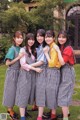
pixel 74 110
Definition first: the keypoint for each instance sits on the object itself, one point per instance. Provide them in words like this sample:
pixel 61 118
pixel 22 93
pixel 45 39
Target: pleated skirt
pixel 66 86
pixel 47 84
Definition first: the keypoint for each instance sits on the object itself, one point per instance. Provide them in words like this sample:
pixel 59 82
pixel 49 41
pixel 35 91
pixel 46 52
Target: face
pixel 18 40
pixel 62 39
pixel 49 40
pixel 40 39
pixel 31 42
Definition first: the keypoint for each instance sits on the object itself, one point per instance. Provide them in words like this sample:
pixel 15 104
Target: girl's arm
pixel 47 57
pixel 52 59
pixel 28 67
pixel 46 50
pixel 39 70
pixel 39 63
pixel 40 60
pixel 61 60
pixel 10 62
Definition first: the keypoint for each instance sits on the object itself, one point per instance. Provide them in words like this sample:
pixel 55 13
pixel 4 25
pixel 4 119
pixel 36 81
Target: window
pixel 73 25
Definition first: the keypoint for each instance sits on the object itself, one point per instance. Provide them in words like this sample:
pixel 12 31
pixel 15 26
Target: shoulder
pixel 22 49
pixel 11 50
pixel 54 45
pixel 39 48
pixel 10 54
pixel 68 50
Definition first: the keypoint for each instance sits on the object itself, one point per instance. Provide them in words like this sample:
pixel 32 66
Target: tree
pixel 4 4
pixel 43 16
pixel 15 18
pixel 12 19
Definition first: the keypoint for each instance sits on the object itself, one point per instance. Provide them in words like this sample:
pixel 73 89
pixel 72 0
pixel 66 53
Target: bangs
pixel 30 36
pixel 41 32
pixel 63 33
pixel 49 33
pixel 17 34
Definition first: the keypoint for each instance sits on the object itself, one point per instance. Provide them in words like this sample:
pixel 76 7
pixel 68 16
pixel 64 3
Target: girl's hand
pixel 46 49
pixel 39 70
pixel 56 48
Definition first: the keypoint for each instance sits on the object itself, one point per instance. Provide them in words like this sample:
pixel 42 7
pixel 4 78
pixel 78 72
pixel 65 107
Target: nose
pixel 39 37
pixel 31 41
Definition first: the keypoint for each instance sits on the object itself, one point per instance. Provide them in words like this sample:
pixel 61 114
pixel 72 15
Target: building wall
pixel 31 5
pixel 76 51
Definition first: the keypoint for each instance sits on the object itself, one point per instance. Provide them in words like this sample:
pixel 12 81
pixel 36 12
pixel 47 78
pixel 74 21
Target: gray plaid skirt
pixel 66 85
pixel 10 87
pixel 47 84
pixel 25 88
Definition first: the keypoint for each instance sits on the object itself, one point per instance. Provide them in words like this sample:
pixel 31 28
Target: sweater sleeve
pixel 10 54
pixel 23 63
pixel 67 53
pixel 53 58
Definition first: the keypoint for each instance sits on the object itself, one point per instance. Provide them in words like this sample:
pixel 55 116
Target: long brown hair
pixel 41 32
pixel 28 37
pixel 64 33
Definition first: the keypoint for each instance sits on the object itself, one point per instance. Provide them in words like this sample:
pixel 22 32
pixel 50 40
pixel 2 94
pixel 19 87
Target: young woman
pixel 26 76
pixel 12 60
pixel 53 73
pixel 66 58
pixel 40 78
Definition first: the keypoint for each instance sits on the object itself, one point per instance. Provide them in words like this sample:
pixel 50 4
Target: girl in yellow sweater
pixel 53 73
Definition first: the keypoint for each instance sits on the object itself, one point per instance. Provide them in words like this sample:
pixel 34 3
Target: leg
pixel 53 114
pixel 65 111
pixel 61 115
pixel 22 113
pixel 40 113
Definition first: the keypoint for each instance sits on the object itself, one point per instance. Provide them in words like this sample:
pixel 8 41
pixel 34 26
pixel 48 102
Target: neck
pixel 51 43
pixel 29 47
pixel 17 45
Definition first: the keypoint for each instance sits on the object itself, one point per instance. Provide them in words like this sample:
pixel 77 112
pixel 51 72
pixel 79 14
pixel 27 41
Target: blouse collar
pixel 51 45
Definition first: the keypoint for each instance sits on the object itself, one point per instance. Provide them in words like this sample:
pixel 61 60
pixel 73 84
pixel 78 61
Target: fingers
pixel 39 70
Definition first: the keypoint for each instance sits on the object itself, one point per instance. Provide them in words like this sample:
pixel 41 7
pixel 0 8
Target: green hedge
pixel 5 43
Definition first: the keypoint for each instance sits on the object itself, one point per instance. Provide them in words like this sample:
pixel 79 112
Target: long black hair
pixel 28 37
pixel 65 34
pixel 40 32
